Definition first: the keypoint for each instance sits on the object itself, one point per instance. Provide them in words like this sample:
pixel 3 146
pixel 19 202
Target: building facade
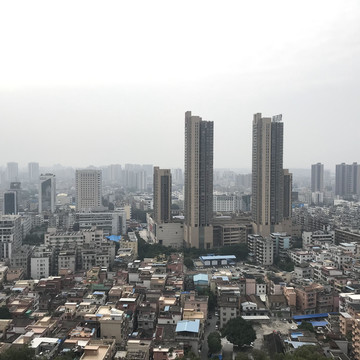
pixel 198 201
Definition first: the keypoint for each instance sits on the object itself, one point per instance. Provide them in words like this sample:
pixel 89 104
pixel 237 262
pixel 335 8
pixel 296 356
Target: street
pixel 208 329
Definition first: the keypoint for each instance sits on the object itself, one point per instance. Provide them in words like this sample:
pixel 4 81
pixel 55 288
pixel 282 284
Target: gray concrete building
pixel 198 200
pixel 271 185
pixel 317 177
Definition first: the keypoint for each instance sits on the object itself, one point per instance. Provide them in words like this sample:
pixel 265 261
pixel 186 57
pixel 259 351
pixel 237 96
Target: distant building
pixel 12 171
pixel 198 202
pixel 47 193
pixel 88 190
pixel 33 171
pixel 317 177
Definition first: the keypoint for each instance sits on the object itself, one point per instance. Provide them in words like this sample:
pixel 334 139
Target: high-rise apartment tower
pixel 88 190
pixel 347 181
pixel 270 196
pixel 162 195
pixel 198 201
pixel 317 177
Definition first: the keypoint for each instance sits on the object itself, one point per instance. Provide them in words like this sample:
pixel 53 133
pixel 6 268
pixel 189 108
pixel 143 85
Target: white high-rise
pixel 47 193
pixel 88 190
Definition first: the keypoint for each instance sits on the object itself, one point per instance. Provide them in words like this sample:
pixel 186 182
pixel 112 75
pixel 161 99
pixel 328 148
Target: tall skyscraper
pixel 317 177
pixel 162 195
pixel 268 191
pixel 33 171
pixel 198 201
pixel 347 180
pixel 47 193
pixel 88 190
pixel 12 171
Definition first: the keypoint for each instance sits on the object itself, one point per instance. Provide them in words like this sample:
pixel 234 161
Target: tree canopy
pixel 303 353
pixel 214 342
pixel 306 326
pixel 239 332
pixel 16 353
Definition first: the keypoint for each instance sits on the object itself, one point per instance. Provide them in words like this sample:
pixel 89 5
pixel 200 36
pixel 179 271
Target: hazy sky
pixel 101 82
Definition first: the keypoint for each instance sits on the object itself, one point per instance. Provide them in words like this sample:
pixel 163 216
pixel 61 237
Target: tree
pixel 259 355
pixel 306 326
pixel 214 342
pixel 5 313
pixel 239 332
pixel 188 263
pixel 303 353
pixel 23 353
pixel 242 356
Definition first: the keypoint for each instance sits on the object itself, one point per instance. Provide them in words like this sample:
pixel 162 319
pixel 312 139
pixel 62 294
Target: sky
pixel 108 82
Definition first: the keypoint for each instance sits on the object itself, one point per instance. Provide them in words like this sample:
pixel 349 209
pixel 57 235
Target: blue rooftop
pixel 316 323
pixel 114 238
pixel 188 326
pixel 296 335
pixel 297 344
pixel 310 316
pixel 217 257
pixel 201 278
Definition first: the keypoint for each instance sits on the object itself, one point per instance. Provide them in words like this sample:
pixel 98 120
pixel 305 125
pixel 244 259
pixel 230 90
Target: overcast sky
pixel 102 82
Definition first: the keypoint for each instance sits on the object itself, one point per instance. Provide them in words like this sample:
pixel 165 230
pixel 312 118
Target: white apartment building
pixel 261 249
pixel 10 235
pixel 88 190
pixel 300 256
pixel 318 238
pixel 40 263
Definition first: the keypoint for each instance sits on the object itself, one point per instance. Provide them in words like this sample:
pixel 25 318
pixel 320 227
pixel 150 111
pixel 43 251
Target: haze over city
pixel 88 83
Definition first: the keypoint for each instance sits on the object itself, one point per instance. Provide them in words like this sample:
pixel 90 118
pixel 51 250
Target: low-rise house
pixel 189 332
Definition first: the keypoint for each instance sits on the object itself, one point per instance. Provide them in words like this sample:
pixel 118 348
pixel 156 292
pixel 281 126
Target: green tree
pixel 259 355
pixel 5 313
pixel 214 342
pixel 23 353
pixel 303 353
pixel 239 332
pixel 306 326
pixel 242 356
pixel 188 263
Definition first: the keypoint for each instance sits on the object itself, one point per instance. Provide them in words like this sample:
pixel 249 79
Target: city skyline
pixel 115 86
